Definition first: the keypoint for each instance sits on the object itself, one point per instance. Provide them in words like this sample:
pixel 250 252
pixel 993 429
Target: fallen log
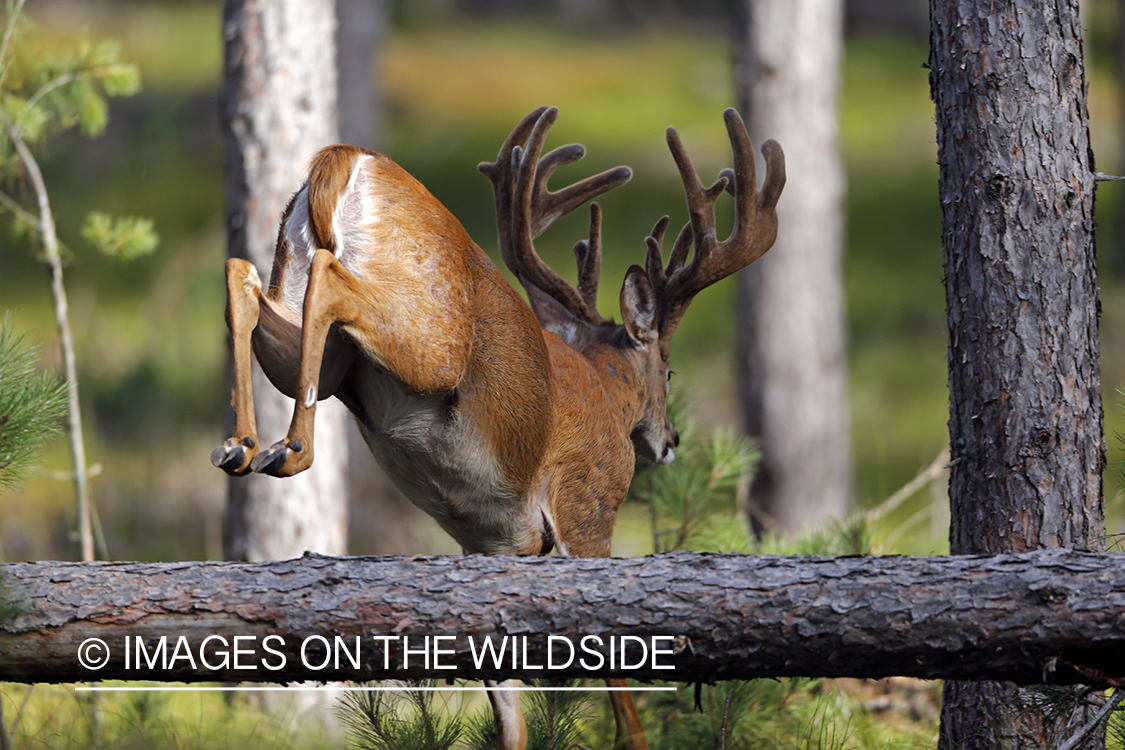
pixel 1045 616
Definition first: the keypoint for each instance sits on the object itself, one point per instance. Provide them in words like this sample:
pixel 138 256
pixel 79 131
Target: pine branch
pixel 31 407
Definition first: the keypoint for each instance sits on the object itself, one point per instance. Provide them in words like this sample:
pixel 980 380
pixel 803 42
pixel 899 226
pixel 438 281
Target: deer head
pixel 653 298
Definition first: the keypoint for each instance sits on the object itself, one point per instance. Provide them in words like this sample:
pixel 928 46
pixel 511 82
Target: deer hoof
pixel 234 457
pixel 283 459
pixel 272 461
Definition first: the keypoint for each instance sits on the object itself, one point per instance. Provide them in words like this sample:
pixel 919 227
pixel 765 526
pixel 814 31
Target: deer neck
pixel 621 379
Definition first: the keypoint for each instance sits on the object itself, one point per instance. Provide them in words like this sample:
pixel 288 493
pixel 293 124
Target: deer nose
pixel 674 438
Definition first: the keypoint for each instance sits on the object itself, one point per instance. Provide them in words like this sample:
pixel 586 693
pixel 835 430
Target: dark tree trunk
pixel 1044 615
pixel 278 108
pixel 792 368
pixel 1017 196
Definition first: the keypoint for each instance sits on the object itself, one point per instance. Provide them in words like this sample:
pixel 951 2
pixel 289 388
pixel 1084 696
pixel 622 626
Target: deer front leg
pixel 244 290
pixel 579 535
pixel 511 730
pixel 330 298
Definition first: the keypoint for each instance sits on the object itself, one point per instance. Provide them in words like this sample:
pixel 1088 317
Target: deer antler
pixel 755 225
pixel 525 208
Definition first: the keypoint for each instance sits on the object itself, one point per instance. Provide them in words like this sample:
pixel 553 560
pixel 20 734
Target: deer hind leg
pixel 630 733
pixel 331 297
pixel 244 290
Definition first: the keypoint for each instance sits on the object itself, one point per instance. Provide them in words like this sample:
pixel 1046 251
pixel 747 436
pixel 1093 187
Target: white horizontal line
pixel 403 688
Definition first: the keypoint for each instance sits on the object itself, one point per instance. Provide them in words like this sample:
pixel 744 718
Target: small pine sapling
pixel 407 719
pixel 44 92
pixel 32 406
pixel 693 499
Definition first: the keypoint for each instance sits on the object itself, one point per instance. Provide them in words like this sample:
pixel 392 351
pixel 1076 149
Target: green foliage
pixel 556 719
pixel 400 720
pixel 693 499
pixel 853 536
pixel 124 238
pixel 413 719
pixel 46 90
pixel 745 714
pixel 31 406
pixel 1115 724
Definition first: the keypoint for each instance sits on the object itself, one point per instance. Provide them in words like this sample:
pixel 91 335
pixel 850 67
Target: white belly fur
pixel 436 460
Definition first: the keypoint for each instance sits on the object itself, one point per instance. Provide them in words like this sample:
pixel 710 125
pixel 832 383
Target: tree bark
pixel 278 109
pixel 1017 195
pixel 791 323
pixel 1048 615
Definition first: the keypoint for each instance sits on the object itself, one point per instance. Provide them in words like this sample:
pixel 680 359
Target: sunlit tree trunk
pixel 278 108
pixel 793 372
pixel 1017 196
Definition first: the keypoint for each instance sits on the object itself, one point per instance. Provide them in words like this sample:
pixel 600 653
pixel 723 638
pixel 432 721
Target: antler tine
pixel 680 250
pixel 588 254
pixel 551 206
pixel 525 208
pixel 755 225
pixel 534 212
pixel 701 201
pixel 518 136
pixel 654 258
pixel 502 173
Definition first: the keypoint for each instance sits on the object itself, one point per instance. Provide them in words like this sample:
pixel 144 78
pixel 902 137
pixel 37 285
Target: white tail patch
pixel 354 211
pixel 251 282
pixel 310 397
pixel 298 230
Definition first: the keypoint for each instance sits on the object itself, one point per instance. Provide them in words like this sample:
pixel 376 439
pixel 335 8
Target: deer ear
pixel 638 306
pixel 552 316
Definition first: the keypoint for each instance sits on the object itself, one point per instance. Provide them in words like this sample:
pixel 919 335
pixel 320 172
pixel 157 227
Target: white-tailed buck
pixel 515 427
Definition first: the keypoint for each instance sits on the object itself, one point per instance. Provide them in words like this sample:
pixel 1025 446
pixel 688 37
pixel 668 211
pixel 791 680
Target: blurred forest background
pixel 455 76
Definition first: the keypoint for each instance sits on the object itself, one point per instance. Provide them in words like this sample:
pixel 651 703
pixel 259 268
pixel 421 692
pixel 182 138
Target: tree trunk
pixel 1043 615
pixel 359 40
pixel 278 108
pixel 1017 195
pixel 791 338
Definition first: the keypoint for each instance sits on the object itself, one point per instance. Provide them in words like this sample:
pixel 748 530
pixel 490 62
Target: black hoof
pixel 229 458
pixel 271 461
